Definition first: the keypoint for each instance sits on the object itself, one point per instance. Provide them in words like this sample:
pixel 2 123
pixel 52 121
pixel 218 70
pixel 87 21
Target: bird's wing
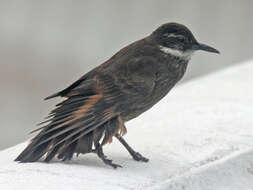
pixel 136 78
pixel 82 86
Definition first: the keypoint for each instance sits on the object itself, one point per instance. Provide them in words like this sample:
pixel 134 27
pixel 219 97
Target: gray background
pixel 46 45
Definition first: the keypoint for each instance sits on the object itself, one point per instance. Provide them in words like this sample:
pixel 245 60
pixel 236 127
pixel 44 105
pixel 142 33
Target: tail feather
pixel 67 152
pixel 64 146
pixel 51 153
pixel 37 153
pixel 30 154
pixel 77 132
pixel 84 144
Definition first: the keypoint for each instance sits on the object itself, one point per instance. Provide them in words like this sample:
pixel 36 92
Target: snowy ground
pixel 200 137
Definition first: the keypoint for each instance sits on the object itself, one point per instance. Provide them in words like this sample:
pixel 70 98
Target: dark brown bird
pixel 100 102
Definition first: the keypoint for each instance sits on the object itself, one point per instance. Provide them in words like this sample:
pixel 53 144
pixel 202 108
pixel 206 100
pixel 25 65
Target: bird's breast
pixel 166 78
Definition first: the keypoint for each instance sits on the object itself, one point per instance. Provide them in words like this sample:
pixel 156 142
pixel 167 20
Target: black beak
pixel 204 47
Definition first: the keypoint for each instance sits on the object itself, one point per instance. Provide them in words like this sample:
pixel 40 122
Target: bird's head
pixel 176 39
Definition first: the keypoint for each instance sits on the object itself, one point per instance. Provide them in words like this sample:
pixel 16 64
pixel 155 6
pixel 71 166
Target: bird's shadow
pixel 91 160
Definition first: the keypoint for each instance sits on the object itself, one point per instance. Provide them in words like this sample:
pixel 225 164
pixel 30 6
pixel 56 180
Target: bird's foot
pixel 110 163
pixel 138 157
pixel 101 155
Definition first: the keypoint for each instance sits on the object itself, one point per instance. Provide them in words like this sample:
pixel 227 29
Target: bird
pixel 96 107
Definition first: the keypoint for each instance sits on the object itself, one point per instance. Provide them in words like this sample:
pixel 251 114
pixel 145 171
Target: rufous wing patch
pixel 88 104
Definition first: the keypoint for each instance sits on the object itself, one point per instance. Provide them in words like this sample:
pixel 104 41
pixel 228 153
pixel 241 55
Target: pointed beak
pixel 204 47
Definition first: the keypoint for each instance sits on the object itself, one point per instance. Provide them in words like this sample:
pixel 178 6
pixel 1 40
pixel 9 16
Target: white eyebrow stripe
pixel 177 53
pixel 174 35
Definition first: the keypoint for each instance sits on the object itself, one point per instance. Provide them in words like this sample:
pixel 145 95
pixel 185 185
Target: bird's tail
pixel 73 129
pixel 64 149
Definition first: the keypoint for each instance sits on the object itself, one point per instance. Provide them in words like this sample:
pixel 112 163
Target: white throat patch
pixel 177 53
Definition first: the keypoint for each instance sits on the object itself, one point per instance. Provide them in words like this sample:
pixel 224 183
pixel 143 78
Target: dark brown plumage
pixel 99 103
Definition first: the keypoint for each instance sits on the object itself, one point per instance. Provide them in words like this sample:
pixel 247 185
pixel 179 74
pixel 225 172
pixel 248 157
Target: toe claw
pixel 138 157
pixel 115 166
pixel 110 163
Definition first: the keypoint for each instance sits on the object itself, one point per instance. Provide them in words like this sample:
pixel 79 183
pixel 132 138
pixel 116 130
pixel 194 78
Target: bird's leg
pixel 136 155
pixel 100 153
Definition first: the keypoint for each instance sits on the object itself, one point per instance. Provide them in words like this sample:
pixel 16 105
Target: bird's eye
pixel 181 39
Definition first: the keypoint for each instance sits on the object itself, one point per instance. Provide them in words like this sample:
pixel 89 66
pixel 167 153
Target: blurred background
pixel 45 45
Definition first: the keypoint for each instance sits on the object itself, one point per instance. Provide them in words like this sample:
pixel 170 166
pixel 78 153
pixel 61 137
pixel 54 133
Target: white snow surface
pixel 199 137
